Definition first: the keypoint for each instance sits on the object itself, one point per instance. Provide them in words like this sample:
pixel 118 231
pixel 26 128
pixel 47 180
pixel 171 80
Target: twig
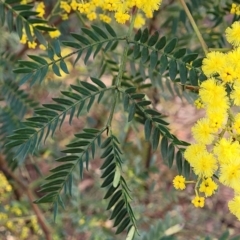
pixel 195 27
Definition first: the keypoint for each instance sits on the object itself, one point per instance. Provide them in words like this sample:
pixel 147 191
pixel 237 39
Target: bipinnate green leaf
pixel 131 113
pixel 180 53
pixel 186 169
pixel 123 225
pixel 170 155
pixel 108 170
pixel 114 199
pixel 153 39
pixel 90 34
pixel 144 54
pixel 89 86
pixel 183 73
pixel 62 167
pixel 117 209
pixel 120 217
pixel 173 69
pixel 98 82
pixel 48 198
pixel 81 38
pixel 163 63
pixel 138 35
pixel 155 138
pixel 116 177
pixel 161 43
pixel 131 233
pixel 107 161
pixel 57 175
pixel 99 31
pixel 145 35
pixel 170 45
pixel 153 59
pixel 190 57
pixel 110 30
pixel 164 148
pixel 147 129
pixel 108 180
pixel 179 162
pixel 193 77
pixel 110 191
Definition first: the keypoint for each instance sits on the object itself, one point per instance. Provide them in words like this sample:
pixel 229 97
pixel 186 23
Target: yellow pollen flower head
pixel 198 202
pixel 208 186
pixel 217 119
pixel 121 17
pixel 227 151
pixel 202 131
pixel 210 92
pixel 179 182
pixel 139 21
pixel 233 206
pixel 105 18
pixel 193 151
pixel 205 165
pixel 236 124
pixel 233 57
pixel 213 63
pixel 54 34
pixel 233 34
pixel 230 174
pixel 227 74
pixel 235 94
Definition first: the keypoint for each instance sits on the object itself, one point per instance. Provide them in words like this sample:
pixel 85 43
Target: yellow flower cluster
pixel 32 44
pixel 105 8
pixel 235 9
pixel 216 152
pixel 5 187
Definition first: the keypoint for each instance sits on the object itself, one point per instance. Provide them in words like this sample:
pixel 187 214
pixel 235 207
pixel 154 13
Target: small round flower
pixel 208 186
pixel 198 202
pixel 227 151
pixel 235 94
pixel 139 21
pixel 205 164
pixel 54 34
pixel 198 103
pixel 193 151
pixel 202 132
pixel 179 182
pixel 236 124
pixel 233 34
pixel 230 174
pixel 233 206
pixel 213 63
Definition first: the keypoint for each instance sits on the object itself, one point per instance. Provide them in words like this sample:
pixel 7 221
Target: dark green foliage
pixel 157 55
pixel 91 42
pixel 46 119
pixel 62 174
pixel 23 17
pixel 118 190
pixel 160 56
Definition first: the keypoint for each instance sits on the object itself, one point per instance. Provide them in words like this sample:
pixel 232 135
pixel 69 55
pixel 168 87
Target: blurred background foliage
pixel 161 212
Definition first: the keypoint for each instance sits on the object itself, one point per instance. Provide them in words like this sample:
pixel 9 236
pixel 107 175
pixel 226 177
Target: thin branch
pixel 195 27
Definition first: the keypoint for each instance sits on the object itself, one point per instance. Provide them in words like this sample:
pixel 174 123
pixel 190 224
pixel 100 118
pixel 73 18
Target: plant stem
pixel 53 10
pixel 122 66
pixel 195 27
